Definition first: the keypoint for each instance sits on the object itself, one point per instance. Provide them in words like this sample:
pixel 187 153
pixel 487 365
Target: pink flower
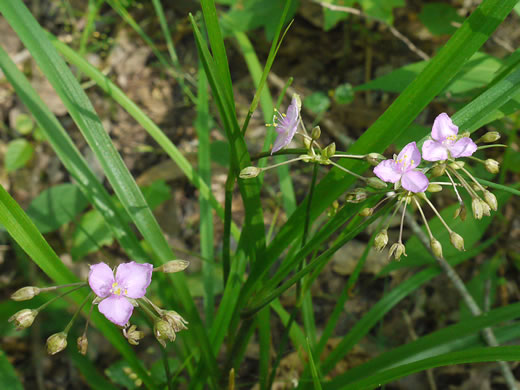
pixel 445 143
pixel 131 281
pixel 287 124
pixel 402 168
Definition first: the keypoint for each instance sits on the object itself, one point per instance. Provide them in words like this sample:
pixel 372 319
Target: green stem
pixel 59 296
pixel 226 240
pixel 69 325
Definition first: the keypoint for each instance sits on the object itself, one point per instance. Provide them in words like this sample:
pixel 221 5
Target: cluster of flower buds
pixel 116 295
pixel 441 153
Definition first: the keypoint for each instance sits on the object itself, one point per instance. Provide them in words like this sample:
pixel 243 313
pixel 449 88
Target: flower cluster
pixel 411 172
pixel 116 296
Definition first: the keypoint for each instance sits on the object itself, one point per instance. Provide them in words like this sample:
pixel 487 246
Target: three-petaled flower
pixel 287 124
pixel 445 142
pixel 402 168
pixel 131 281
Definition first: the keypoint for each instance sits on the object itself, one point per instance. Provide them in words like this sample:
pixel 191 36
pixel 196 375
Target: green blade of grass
pixel 23 231
pixel 8 376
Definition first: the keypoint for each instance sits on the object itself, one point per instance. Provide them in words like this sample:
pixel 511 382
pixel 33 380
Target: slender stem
pixel 465 184
pixel 59 296
pixel 226 240
pixel 487 333
pixel 438 215
pixel 153 305
pixel 279 153
pixel 477 159
pixel 356 156
pixel 454 188
pixel 443 183
pixel 349 172
pixel 393 214
pixel 147 310
pixel 166 368
pixel 405 203
pixel 473 179
pixel 88 319
pixel 69 325
pixel 491 146
pixel 52 288
pixel 423 217
pixel 282 163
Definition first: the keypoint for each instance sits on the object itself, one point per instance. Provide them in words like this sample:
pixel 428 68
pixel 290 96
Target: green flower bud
pixel 175 320
pixel 133 335
pixel 24 318
pixel 163 331
pixel 434 188
pixel 486 210
pixel 374 158
pixel 396 251
pixel 436 247
pixel 490 136
pixel 466 134
pixel 457 241
pixel 249 172
pixel 457 164
pixel 56 343
pixel 381 240
pixel 357 195
pixel 438 170
pixel 316 133
pixel 492 166
pixel 173 266
pixel 476 206
pixel 366 212
pixel 25 293
pixel 82 344
pixel 460 211
pixel 491 200
pixel 329 151
pixel 376 183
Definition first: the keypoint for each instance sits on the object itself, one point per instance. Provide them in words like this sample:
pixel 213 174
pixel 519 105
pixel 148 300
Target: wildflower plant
pixel 361 186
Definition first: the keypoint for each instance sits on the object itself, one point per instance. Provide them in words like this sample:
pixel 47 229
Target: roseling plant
pixel 261 267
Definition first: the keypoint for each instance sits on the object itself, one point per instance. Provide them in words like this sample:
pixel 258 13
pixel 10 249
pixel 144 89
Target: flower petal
pixel 293 111
pixel 410 157
pixel 414 181
pixel 464 147
pixel 434 151
pixel 443 127
pixel 100 279
pixel 388 171
pixel 116 309
pixel 286 133
pixel 134 278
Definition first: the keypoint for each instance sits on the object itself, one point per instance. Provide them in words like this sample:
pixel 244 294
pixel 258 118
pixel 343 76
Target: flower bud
pixel 376 183
pixel 366 212
pixel 490 136
pixel 56 343
pixel 381 240
pixel 466 134
pixel 457 241
pixel 486 210
pixel 461 210
pixel 397 250
pixel 438 170
pixel 173 266
pixel 316 133
pixel 492 166
pixel 133 335
pixel 82 344
pixel 25 293
pixel 491 200
pixel 476 206
pixel 163 331
pixel 249 172
pixel 436 247
pixel 24 318
pixel 434 188
pixel 329 151
pixel 175 320
pixel 307 143
pixel 356 196
pixel 374 158
pixel 457 164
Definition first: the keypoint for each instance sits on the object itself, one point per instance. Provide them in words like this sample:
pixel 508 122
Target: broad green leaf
pixel 18 153
pixel 8 377
pixel 56 206
pixel 438 18
pixel 156 193
pixel 24 124
pixel 381 9
pixel 317 102
pixel 91 233
pixel 344 94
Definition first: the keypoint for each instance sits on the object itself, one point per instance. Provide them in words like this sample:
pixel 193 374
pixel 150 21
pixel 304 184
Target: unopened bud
pixel 25 293
pixel 163 331
pixel 173 266
pixel 381 240
pixel 476 206
pixel 366 212
pixel 490 136
pixel 460 211
pixel 56 343
pixel 307 142
pixel 492 166
pixel 249 172
pixel 316 133
pixel 396 251
pixel 356 196
pixel 466 134
pixel 457 241
pixel 376 183
pixel 434 188
pixel 457 164
pixel 133 335
pixel 486 210
pixel 329 151
pixel 175 320
pixel 438 170
pixel 491 200
pixel 436 247
pixel 82 344
pixel 374 158
pixel 23 318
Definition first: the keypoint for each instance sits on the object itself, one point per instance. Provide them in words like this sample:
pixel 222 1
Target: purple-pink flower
pixel 402 168
pixel 445 143
pixel 131 281
pixel 287 124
